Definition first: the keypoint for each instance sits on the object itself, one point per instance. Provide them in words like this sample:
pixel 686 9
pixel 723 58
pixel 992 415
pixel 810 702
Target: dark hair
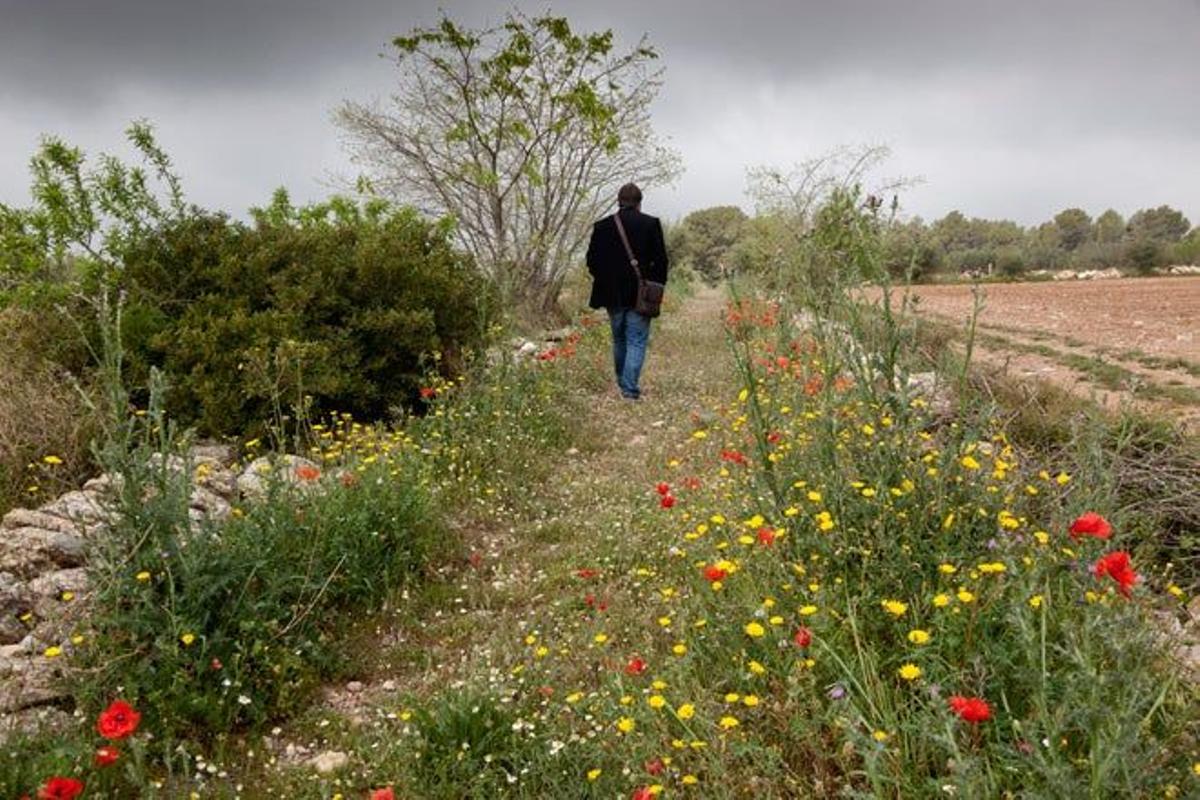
pixel 629 195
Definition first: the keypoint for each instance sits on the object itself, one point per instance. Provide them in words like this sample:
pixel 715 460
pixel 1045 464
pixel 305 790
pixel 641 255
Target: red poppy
pixel 774 436
pixel 386 793
pixel 475 559
pixel 691 482
pixel 587 573
pixel 970 709
pixel 106 755
pixel 766 536
pixel 636 666
pixel 802 637
pixel 427 392
pixel 663 489
pixel 655 766
pixel 118 720
pixel 548 355
pixel 734 456
pixel 1116 566
pixel 814 385
pixel 59 788
pixel 667 501
pixel 714 574
pixel 307 472
pixel 216 664
pixel 1090 524
pixel 642 793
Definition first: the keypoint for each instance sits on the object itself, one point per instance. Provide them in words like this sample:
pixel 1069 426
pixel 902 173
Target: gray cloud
pixel 1010 109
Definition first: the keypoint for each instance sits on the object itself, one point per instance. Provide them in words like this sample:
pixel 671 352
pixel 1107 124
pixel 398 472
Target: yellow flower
pixel 1035 601
pixel 918 636
pixel 1175 591
pixel 909 672
pixel 894 607
pixel 1042 537
pixel 964 596
pixel 1062 479
pixel 941 600
pixel 53 461
pixel 187 639
pixel 757 668
pixel 657 701
pixel 807 611
pixel 626 724
pixel 728 723
pixel 68 596
pixel 750 700
pixel 54 651
pixel 732 697
pixel 1196 768
pixel 593 774
pixel 541 652
pixel 686 711
pixel 814 496
pixel 689 780
pixel 969 462
pixel 947 569
pixel 600 638
pixel 754 629
pixel 658 686
pixel 679 649
pixel 143 576
pixel 574 697
pixel 992 568
pixel 880 736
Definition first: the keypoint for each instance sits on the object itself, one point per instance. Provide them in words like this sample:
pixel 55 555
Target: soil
pixel 1129 340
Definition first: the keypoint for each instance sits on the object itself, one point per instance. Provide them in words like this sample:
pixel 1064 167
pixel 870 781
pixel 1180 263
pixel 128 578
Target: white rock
pixel 329 761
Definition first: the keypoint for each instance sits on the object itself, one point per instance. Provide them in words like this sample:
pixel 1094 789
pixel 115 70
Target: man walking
pixel 615 283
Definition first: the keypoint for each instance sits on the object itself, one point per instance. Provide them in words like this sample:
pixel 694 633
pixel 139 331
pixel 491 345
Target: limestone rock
pixel 329 761
pixel 289 470
pixel 210 504
pixel 81 507
pixel 14 601
pixel 30 551
pixel 32 518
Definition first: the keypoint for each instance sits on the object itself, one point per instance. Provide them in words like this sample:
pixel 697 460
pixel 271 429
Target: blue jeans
pixel 630 333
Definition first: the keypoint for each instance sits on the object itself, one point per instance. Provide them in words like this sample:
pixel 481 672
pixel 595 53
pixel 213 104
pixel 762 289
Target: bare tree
pixel 522 133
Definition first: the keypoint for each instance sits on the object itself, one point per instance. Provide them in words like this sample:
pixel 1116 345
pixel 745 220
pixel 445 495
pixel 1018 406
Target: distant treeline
pixel 723 239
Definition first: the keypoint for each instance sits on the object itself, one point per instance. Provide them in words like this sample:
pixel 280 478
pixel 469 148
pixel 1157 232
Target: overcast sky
pixel 1006 109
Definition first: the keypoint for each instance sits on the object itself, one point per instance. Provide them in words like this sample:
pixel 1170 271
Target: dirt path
pixel 468 630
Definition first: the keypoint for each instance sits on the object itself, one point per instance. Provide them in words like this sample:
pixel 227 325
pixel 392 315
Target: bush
pixel 45 425
pixel 338 302
pixel 214 627
pixel 1144 254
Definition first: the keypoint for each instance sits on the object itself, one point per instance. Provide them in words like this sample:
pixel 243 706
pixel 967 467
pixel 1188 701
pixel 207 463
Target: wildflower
pixel 679 648
pixel 728 723
pixel 52 460
pixel 655 766
pixel 992 568
pixel 1042 537
pixel 663 489
pixel 918 636
pixel 802 637
pixel 386 793
pixel 807 611
pixel 732 697
pixel 909 672
pixel 667 501
pixel 188 639
pixel 53 651
pixel 825 521
pixel 941 600
pixel 593 774
pixel 894 607
pixel 1116 566
pixel 692 780
pixel 118 721
pixel 1175 591
pixel 1035 601
pixel 307 472
pixel 656 701
pixel 60 788
pixel 766 536
pixel 750 700
pixel 626 724
pixel 600 638
pixel 643 793
pixel 142 576
pixel 964 596
pixel 1062 479
pixel 756 668
pixel 636 666
pixel 947 569
pixel 755 630
pixel 586 573
pixel 880 736
pixel 1090 524
pixel 106 755
pixel 970 709
pixel 714 574
pixel 686 711
pixel 969 462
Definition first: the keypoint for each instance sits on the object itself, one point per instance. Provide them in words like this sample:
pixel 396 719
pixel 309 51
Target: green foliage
pixel 705 238
pixel 331 307
pixel 1163 224
pixel 1144 254
pixel 1074 227
pixel 212 627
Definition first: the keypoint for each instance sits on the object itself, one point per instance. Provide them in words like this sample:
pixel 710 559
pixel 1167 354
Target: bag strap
pixel 633 262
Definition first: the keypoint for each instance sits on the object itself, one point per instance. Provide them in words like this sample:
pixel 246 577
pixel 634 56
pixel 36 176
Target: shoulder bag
pixel 650 293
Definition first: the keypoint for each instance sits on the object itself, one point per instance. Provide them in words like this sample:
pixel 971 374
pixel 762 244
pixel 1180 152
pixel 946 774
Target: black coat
pixel 614 284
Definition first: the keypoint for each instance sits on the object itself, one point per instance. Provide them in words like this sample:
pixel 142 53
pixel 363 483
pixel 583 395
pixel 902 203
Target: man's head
pixel 629 196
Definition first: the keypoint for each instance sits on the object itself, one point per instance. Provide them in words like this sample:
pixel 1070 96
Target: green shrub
pixel 213 627
pixel 339 302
